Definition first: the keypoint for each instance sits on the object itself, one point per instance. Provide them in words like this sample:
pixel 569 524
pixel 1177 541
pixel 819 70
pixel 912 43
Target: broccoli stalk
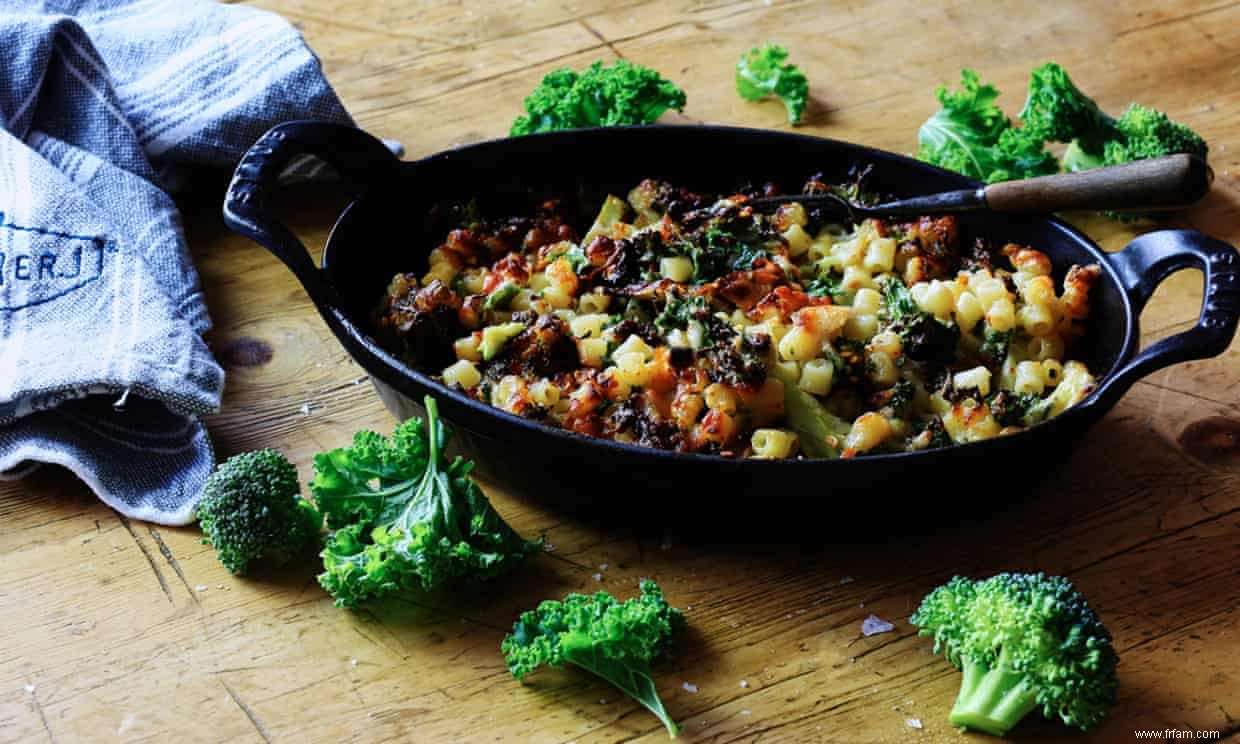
pixel 992 700
pixel 622 94
pixel 251 509
pixel 1023 642
pixel 764 71
pixel 614 640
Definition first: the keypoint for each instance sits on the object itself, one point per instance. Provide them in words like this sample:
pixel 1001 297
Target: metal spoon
pixel 1163 183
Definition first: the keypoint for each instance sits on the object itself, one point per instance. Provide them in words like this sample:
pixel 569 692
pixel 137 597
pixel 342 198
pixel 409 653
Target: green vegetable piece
pixel 405 518
pixel 995 345
pixel 614 640
pixel 763 71
pixel 501 297
pixel 613 210
pixel 622 94
pixel 251 509
pixel 898 300
pixel 1149 133
pixel 972 135
pixel 1057 111
pixel 1024 642
pixel 814 425
pixel 494 337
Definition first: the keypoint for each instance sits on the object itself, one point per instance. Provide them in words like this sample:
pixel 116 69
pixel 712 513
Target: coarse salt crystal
pixel 305 409
pixel 744 683
pixel 914 723
pixel 847 580
pixel 745 712
pixel 200 588
pixel 602 566
pixel 597 576
pixel 30 689
pixel 689 687
pixel 873 625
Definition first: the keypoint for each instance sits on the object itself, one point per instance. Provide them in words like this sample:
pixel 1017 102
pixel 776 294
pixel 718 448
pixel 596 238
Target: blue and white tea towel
pixel 105 105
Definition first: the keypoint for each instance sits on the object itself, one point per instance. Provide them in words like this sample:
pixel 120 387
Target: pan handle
pixel 1142 265
pixel 361 160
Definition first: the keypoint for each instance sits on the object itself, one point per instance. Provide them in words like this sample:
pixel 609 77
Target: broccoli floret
pixel 763 71
pixel 615 640
pixel 405 518
pixel 1023 641
pixel 972 135
pixel 621 94
pixel 252 509
pixel 1149 133
pixel 1057 111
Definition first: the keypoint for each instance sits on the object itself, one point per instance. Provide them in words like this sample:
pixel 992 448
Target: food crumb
pixel 597 576
pixel 352 662
pixel 913 723
pixel 873 625
pixel 30 689
pixel 200 588
pixel 689 687
pixel 744 684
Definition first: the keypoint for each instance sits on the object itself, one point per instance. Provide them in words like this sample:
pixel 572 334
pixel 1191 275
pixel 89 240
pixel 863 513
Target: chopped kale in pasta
pixel 695 323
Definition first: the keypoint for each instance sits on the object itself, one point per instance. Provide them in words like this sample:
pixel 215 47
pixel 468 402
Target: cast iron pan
pixel 389 227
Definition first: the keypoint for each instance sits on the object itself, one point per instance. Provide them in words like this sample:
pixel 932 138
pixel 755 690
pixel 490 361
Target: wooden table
pixel 122 630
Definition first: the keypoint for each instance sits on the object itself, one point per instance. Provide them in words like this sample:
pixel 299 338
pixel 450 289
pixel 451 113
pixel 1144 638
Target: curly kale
pixel 1019 409
pixel 764 71
pixel 678 312
pixel 622 94
pixel 995 345
pixel 251 509
pixel 1024 642
pixel 924 337
pixel 828 284
pixel 970 134
pixel 405 518
pixel 716 252
pixel 614 640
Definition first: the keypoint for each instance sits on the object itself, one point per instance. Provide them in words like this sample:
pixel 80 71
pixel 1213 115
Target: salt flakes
pixel 873 625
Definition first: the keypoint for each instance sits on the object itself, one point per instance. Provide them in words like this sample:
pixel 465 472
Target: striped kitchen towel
pixel 106 106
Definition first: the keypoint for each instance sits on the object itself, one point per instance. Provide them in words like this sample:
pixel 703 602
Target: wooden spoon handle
pixel 1158 183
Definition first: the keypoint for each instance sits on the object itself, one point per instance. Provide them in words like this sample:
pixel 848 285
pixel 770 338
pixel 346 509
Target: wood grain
pixel 120 630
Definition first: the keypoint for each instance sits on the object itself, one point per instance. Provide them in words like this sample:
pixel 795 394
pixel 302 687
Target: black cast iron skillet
pixel 390 227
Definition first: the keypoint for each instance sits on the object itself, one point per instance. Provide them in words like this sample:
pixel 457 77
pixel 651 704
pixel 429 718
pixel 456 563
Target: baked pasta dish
pixel 696 323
